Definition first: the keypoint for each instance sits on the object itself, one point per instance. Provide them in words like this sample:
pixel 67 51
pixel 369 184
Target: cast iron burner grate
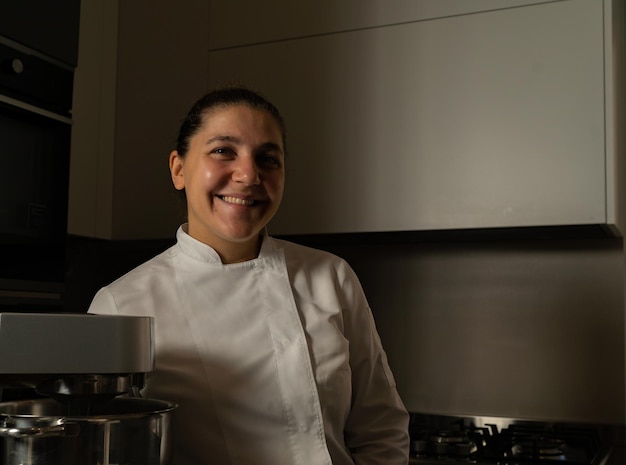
pixel 537 443
pixel 442 440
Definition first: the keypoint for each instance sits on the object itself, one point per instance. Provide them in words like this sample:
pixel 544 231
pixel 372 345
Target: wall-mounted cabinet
pixel 502 118
pixel 139 69
pixel 286 19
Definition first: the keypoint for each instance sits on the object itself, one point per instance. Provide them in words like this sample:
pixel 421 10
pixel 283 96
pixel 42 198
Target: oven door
pixel 34 167
pixel 35 135
pixel 34 172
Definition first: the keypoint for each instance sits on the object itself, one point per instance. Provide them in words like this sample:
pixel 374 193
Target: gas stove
pixel 443 440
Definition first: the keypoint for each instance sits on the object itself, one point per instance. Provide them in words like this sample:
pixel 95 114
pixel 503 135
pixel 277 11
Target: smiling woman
pixel 233 175
pixel 269 348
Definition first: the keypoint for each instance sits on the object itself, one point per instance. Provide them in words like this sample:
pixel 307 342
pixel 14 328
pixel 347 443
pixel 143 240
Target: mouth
pixel 237 200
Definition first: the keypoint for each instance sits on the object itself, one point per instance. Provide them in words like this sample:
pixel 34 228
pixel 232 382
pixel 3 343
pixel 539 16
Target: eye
pixel 223 152
pixel 269 161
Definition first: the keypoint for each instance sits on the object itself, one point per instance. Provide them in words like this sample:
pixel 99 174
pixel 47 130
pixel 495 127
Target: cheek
pixel 203 177
pixel 213 173
pixel 280 190
pixel 277 181
pixel 281 186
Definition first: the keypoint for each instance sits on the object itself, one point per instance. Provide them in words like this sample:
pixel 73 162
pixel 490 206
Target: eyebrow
pixel 232 139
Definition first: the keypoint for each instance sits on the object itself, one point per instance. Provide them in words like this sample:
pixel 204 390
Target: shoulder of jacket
pixel 152 267
pixel 292 248
pixel 302 258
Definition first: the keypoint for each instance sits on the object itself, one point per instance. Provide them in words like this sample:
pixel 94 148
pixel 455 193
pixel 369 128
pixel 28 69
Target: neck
pixel 230 252
pixel 239 252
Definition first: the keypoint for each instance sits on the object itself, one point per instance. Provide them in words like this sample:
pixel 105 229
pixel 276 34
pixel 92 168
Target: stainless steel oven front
pixel 35 133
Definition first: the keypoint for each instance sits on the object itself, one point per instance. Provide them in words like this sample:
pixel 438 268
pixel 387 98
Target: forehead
pixel 241 117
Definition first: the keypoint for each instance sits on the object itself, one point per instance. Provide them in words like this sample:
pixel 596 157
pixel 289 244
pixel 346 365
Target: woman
pixel 269 348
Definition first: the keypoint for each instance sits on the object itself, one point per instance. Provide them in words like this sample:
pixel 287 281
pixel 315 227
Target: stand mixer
pixel 78 378
pixel 77 359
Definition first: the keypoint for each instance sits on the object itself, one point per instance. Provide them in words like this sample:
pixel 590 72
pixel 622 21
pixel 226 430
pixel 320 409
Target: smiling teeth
pixel 236 200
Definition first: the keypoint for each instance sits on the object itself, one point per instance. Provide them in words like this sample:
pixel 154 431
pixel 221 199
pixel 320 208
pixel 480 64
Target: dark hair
pixel 224 97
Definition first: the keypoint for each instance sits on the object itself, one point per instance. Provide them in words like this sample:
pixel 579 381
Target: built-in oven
pixel 35 131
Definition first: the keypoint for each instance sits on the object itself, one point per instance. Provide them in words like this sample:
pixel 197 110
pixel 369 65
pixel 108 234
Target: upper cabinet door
pixel 494 119
pixel 234 23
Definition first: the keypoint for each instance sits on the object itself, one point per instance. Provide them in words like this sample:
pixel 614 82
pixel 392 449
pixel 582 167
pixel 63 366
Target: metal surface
pixel 56 343
pixel 125 431
pixel 35 109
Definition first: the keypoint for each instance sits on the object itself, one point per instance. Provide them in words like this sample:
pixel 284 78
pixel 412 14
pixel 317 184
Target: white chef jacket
pixel 273 361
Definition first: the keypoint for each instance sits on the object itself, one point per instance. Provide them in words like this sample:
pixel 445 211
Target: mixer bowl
pixel 124 430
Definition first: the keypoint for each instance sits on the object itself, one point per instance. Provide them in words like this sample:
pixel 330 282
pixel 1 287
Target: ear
pixel 176 170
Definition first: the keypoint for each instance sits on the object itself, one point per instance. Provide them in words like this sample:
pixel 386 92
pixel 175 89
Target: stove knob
pixel 17 66
pixel 13 66
pixel 418 447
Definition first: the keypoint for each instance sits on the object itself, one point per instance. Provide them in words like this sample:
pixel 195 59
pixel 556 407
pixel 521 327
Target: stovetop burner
pixel 444 443
pixel 445 440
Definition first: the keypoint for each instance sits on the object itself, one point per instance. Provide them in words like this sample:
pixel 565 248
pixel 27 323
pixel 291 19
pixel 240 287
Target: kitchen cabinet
pixel 285 19
pixel 140 67
pixel 502 118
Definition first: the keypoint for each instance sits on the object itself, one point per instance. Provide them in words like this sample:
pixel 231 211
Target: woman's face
pixel 233 175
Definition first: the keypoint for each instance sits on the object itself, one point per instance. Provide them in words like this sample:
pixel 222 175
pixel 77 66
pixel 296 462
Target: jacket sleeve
pixel 377 428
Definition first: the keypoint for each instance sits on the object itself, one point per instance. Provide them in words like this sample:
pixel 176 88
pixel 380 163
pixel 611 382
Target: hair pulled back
pixel 224 97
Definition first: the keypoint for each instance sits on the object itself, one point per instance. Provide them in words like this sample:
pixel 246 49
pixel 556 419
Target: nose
pixel 246 171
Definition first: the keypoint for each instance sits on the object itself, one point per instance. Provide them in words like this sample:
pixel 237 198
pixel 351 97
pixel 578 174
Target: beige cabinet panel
pixel 481 120
pixel 237 22
pixel 132 87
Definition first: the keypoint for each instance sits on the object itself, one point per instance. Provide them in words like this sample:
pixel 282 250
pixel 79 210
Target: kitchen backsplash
pixel 527 328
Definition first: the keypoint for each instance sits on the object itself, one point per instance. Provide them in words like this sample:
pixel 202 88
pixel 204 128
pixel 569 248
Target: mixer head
pixel 78 359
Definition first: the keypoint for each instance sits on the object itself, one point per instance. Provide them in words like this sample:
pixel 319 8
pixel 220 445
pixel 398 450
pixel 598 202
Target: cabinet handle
pixel 34 109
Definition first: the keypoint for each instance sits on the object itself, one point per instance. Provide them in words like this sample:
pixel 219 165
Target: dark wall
pixel 93 263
